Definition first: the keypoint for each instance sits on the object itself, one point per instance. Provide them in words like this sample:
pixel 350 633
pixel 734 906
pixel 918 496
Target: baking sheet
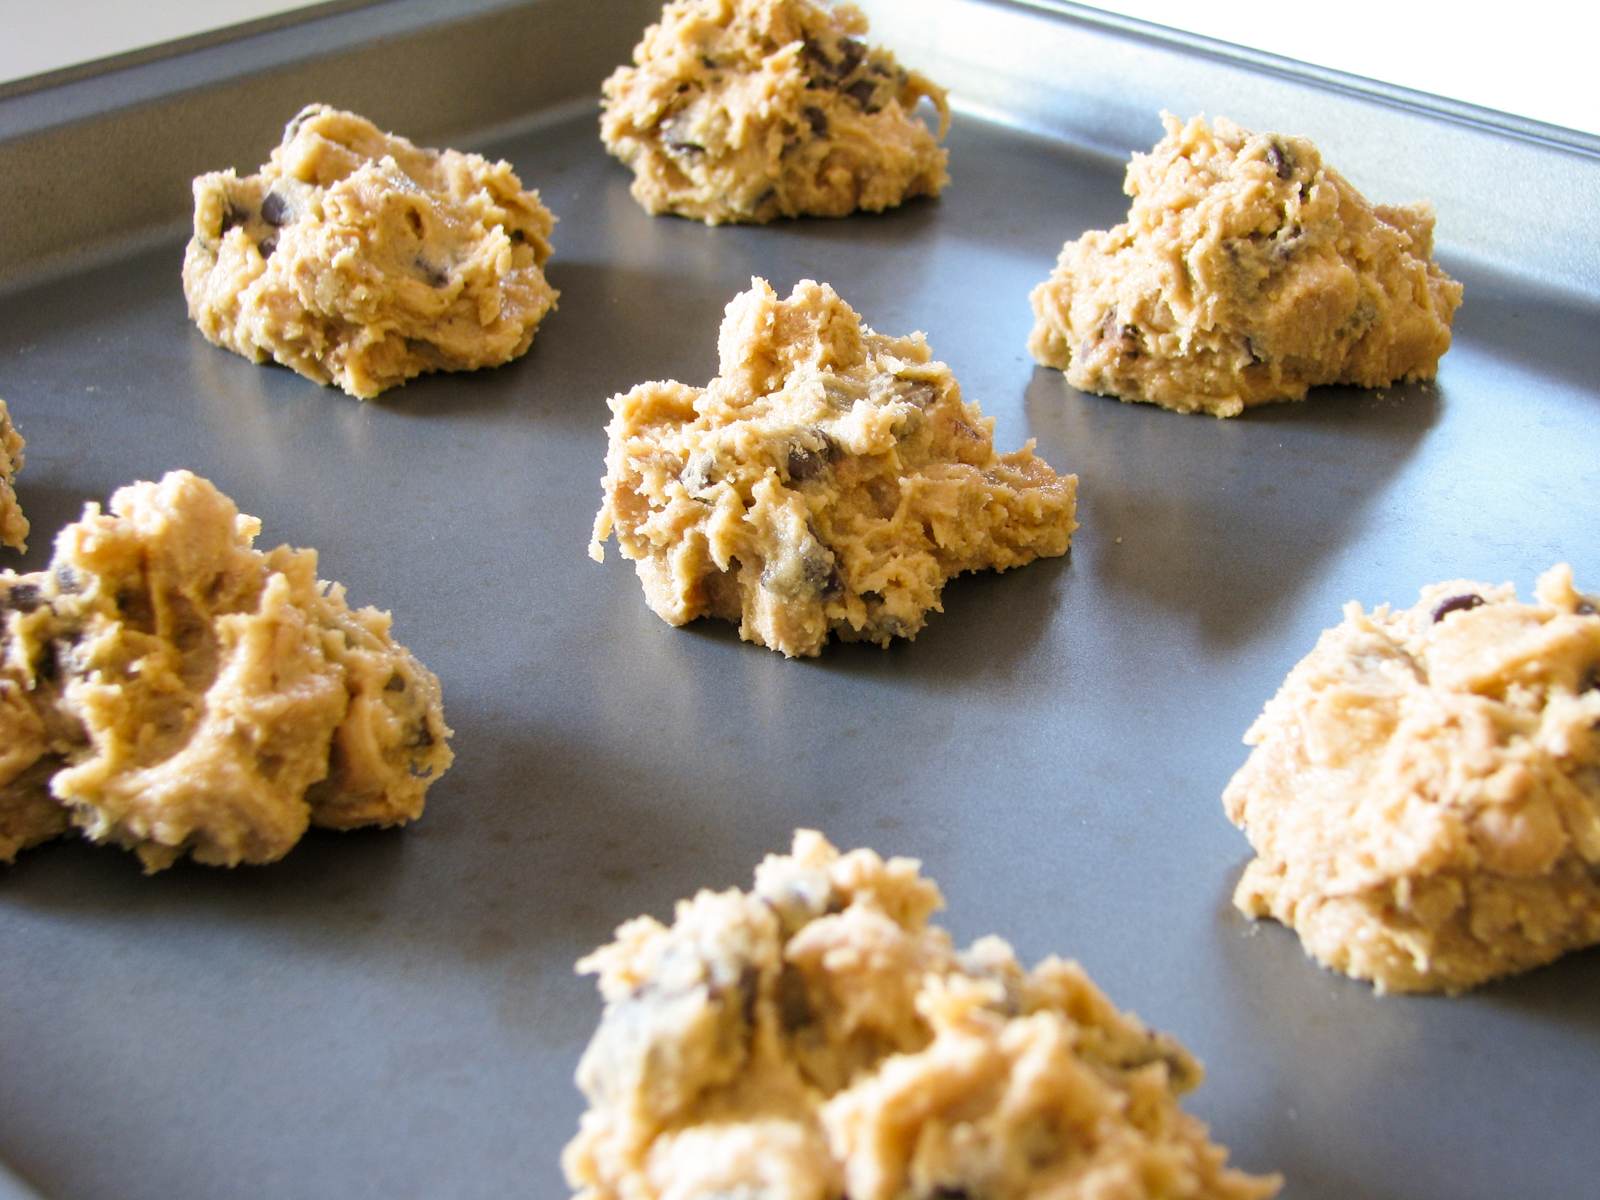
pixel 394 1013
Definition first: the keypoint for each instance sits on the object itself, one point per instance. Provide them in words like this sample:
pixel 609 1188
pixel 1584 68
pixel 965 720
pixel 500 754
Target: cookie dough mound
pixel 359 259
pixel 1247 271
pixel 828 481
pixel 13 525
pixel 170 688
pixel 747 110
pixel 817 1038
pixel 1423 794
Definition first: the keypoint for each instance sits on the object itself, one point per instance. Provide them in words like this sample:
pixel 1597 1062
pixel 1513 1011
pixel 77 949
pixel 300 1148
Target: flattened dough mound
pixel 1247 271
pixel 167 687
pixel 1424 792
pixel 359 259
pixel 13 525
pixel 748 110
pixel 828 481
pixel 815 1038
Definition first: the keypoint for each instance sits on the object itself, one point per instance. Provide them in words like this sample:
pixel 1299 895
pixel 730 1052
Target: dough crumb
pixel 750 110
pixel 358 259
pixel 1247 271
pixel 13 525
pixel 1423 794
pixel 169 688
pixel 829 480
pixel 816 1038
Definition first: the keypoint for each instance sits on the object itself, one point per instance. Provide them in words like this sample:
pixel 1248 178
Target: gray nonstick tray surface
pixel 395 1013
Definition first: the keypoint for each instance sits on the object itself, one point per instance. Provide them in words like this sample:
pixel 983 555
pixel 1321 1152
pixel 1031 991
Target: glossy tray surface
pixel 393 1014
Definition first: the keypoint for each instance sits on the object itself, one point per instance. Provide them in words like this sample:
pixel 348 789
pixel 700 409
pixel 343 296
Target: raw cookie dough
pixel 747 110
pixel 816 1039
pixel 358 259
pixel 1247 271
pixel 829 480
pixel 169 688
pixel 13 525
pixel 1424 792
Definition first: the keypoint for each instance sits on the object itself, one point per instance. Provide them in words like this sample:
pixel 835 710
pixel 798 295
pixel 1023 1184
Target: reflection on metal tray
pixel 395 1013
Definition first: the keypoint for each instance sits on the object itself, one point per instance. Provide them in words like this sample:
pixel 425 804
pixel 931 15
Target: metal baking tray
pixel 394 1013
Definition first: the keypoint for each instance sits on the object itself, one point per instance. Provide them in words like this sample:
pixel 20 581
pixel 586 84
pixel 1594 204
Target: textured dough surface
pixel 1423 794
pixel 358 259
pixel 748 110
pixel 816 1038
pixel 829 480
pixel 13 525
pixel 168 687
pixel 1247 271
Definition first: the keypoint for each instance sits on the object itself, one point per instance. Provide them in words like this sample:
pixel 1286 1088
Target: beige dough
pixel 13 525
pixel 358 259
pixel 747 110
pixel 169 688
pixel 815 1039
pixel 828 481
pixel 1247 271
pixel 1424 792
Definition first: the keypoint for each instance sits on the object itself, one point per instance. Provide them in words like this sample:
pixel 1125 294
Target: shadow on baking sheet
pixel 501 864
pixel 1562 993
pixel 1226 520
pixel 1546 334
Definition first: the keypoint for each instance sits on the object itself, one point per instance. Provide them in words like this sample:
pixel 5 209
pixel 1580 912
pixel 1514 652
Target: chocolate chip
pixel 431 275
pixel 863 91
pixel 817 119
pixel 1456 604
pixel 267 245
pixel 48 667
pixel 24 597
pixel 396 683
pixel 820 574
pixel 794 1006
pixel 805 463
pixel 749 993
pixel 708 62
pixel 1280 160
pixel 274 209
pixel 700 471
pixel 518 237
pixel 851 52
pixel 677 135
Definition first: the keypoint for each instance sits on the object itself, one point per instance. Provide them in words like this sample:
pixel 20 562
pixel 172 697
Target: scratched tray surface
pixel 395 1013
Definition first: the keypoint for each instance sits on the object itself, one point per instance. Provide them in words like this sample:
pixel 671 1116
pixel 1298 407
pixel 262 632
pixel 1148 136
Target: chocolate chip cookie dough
pixel 1423 794
pixel 829 480
pixel 1247 271
pixel 13 525
pixel 816 1038
pixel 748 110
pixel 167 687
pixel 358 259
